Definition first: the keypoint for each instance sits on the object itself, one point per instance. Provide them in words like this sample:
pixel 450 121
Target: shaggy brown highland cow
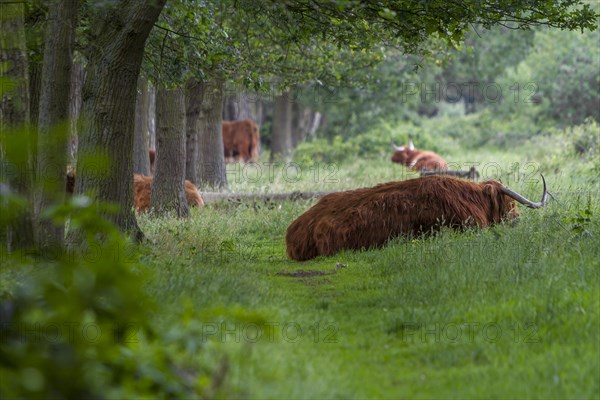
pixel 418 160
pixel 142 188
pixel 369 217
pixel 241 140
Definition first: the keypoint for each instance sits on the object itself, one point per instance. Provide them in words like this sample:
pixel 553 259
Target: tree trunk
pixel 237 107
pixel 35 85
pixel 193 100
pixel 53 121
pixel 141 161
pixel 14 109
pixel 75 100
pixel 211 160
pixel 281 129
pixel 168 188
pixel 230 107
pixel 314 124
pixel 151 117
pixel 300 116
pixel 109 107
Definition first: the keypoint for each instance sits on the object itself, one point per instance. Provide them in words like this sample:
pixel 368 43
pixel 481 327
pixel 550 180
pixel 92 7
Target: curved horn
pixel 523 200
pixel 411 146
pixel 397 148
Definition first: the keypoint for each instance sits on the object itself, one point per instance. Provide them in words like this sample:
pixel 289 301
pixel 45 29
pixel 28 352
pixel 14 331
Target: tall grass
pixel 511 311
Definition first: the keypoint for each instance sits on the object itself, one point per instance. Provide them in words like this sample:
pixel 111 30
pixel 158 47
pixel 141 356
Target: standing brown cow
pixel 241 141
pixel 369 217
pixel 418 160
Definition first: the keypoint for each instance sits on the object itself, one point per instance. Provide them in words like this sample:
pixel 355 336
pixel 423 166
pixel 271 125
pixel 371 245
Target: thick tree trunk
pixel 193 100
pixel 14 109
pixel 53 121
pixel 75 101
pixel 35 85
pixel 141 161
pixel 114 61
pixel 281 129
pixel 211 160
pixel 168 188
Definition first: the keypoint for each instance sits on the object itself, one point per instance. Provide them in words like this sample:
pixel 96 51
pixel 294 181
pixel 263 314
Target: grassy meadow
pixel 507 312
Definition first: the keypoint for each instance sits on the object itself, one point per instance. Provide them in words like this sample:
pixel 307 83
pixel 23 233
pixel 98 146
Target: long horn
pixel 397 148
pixel 523 200
pixel 411 146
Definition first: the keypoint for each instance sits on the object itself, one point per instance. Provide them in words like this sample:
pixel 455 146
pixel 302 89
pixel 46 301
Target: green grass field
pixel 507 312
pixel 512 311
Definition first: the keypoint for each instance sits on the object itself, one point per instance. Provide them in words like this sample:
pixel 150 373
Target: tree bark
pixel 114 60
pixel 211 160
pixel 300 121
pixel 193 101
pixel 230 107
pixel 141 161
pixel 35 85
pixel 75 100
pixel 14 108
pixel 281 129
pixel 53 121
pixel 168 188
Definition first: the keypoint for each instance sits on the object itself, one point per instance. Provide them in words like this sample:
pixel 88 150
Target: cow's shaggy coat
pixel 241 141
pixel 369 217
pixel 142 188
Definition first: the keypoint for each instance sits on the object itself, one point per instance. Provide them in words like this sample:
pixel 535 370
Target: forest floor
pixel 512 311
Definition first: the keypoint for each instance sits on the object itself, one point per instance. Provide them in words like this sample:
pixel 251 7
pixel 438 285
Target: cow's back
pixel 142 189
pixel 365 218
pixel 193 195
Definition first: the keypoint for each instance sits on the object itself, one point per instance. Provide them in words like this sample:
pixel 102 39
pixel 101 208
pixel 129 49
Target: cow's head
pixel 401 153
pixel 503 199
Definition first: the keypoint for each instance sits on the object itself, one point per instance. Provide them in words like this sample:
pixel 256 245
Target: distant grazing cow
pixel 241 141
pixel 418 160
pixel 142 188
pixel 369 217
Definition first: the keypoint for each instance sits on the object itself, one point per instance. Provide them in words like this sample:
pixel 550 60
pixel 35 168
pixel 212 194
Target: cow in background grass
pixel 365 218
pixel 142 188
pixel 418 160
pixel 241 140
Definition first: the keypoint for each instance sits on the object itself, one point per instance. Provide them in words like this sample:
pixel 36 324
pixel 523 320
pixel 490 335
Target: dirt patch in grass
pixel 304 273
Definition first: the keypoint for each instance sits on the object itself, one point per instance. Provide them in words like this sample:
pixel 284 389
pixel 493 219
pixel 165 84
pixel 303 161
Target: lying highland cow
pixel 369 217
pixel 418 160
pixel 142 188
